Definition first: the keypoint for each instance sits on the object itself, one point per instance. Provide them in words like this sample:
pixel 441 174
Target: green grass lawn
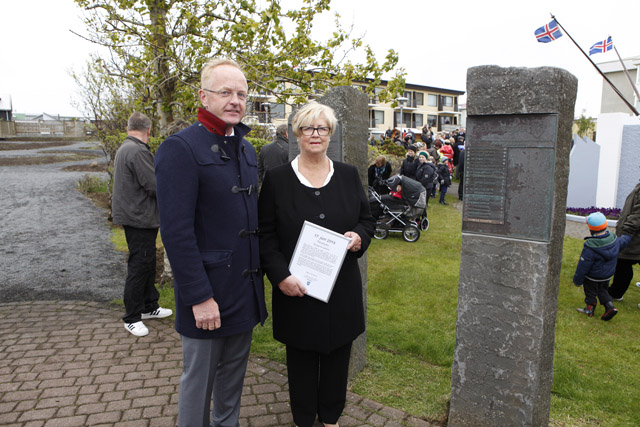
pixel 411 330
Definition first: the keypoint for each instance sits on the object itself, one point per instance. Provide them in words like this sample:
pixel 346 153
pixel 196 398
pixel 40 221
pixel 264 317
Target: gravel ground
pixel 54 243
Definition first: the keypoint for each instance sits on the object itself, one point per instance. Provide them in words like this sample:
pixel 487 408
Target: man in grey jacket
pixel 134 207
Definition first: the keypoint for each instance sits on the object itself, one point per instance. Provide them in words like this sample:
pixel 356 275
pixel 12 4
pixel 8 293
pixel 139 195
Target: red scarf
pixel 211 122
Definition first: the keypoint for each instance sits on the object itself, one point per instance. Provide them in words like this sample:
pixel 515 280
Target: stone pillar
pixel 349 145
pixel 516 175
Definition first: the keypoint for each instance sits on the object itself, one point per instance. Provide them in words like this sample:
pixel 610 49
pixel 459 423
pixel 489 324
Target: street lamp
pixel 401 100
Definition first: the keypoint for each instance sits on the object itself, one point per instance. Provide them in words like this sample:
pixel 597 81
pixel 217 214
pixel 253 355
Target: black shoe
pixel 588 310
pixel 442 202
pixel 609 311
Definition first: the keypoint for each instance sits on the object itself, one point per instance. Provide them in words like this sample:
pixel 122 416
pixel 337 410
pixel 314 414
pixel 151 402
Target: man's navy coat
pixel 206 189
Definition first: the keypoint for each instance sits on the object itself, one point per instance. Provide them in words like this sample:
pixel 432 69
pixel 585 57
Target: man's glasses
pixel 242 96
pixel 308 130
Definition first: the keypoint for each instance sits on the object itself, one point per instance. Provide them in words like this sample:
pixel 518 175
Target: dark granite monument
pixel 348 145
pixel 516 174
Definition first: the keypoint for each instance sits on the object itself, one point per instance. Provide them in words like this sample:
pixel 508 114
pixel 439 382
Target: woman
pixel 378 173
pixel 317 335
pixel 426 173
pixel 447 151
pixel 445 178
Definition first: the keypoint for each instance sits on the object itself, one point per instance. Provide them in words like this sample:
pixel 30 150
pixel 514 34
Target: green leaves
pixel 156 49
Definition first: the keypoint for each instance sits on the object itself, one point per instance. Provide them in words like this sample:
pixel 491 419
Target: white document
pixel 317 259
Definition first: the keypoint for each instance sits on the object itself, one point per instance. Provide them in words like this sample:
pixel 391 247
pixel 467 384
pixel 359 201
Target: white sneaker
pixel 138 329
pixel 158 313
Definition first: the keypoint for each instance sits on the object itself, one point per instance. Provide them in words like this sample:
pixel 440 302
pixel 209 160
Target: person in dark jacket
pixel 275 153
pixel 426 173
pixel 597 264
pixel 318 335
pixel 207 179
pixel 377 175
pixel 410 163
pixel 134 206
pixel 460 173
pixel 444 176
pixel 426 136
pixel 628 223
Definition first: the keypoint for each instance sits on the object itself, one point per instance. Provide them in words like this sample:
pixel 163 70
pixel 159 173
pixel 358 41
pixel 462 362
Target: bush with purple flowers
pixel 609 213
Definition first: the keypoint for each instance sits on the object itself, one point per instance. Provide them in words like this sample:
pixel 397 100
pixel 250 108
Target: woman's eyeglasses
pixel 308 130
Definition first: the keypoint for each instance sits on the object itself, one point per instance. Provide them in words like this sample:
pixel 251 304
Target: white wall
pixel 583 177
pixel 609 138
pixel 629 163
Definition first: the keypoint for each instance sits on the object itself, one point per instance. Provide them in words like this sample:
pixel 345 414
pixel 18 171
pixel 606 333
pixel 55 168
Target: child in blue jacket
pixel 597 265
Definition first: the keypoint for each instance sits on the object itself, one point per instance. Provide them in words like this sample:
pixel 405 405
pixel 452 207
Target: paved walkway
pixel 71 363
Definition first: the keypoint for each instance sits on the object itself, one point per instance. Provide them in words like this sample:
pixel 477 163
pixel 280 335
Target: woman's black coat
pixel 427 175
pixel 341 205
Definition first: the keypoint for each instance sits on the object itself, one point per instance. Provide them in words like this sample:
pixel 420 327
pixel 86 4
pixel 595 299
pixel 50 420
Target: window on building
pixel 432 100
pixel 376 96
pixel 266 111
pixel 414 98
pixel 277 111
pixel 448 101
pixel 376 117
pixel 410 120
pixel 432 120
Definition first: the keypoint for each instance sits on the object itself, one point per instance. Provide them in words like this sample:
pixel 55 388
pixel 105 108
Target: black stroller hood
pixel 412 191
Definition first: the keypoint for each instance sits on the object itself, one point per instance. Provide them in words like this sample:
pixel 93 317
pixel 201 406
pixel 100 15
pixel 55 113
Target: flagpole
pixel 615 89
pixel 626 72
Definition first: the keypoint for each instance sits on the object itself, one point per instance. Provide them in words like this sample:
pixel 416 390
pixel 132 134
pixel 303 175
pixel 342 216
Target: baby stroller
pixel 407 215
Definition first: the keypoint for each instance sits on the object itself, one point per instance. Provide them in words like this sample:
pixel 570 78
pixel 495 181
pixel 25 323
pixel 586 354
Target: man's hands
pixel 207 315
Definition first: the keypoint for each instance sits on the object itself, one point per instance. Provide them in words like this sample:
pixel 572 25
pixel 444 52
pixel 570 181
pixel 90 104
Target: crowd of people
pixel 432 161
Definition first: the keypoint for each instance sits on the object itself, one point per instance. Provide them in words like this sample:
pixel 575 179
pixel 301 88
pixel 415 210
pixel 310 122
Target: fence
pixel 24 128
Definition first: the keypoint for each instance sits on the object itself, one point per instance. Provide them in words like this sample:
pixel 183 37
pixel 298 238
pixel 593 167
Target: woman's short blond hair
pixel 381 161
pixel 309 113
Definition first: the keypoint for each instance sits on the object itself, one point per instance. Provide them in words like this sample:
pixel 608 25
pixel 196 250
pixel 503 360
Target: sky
pixel 437 42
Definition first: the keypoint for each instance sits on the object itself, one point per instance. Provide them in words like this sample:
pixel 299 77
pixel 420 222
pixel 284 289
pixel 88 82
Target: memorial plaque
pixel 508 161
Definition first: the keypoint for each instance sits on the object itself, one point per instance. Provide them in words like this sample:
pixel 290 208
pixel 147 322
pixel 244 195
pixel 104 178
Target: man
pixel 208 205
pixel 409 164
pixel 275 153
pixel 134 207
pixel 628 223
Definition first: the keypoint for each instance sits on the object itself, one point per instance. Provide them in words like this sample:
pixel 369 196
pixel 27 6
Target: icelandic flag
pixel 602 46
pixel 548 33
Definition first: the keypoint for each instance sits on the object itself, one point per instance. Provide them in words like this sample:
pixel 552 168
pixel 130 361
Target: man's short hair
pixel 312 111
pixel 139 122
pixel 205 74
pixel 282 130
